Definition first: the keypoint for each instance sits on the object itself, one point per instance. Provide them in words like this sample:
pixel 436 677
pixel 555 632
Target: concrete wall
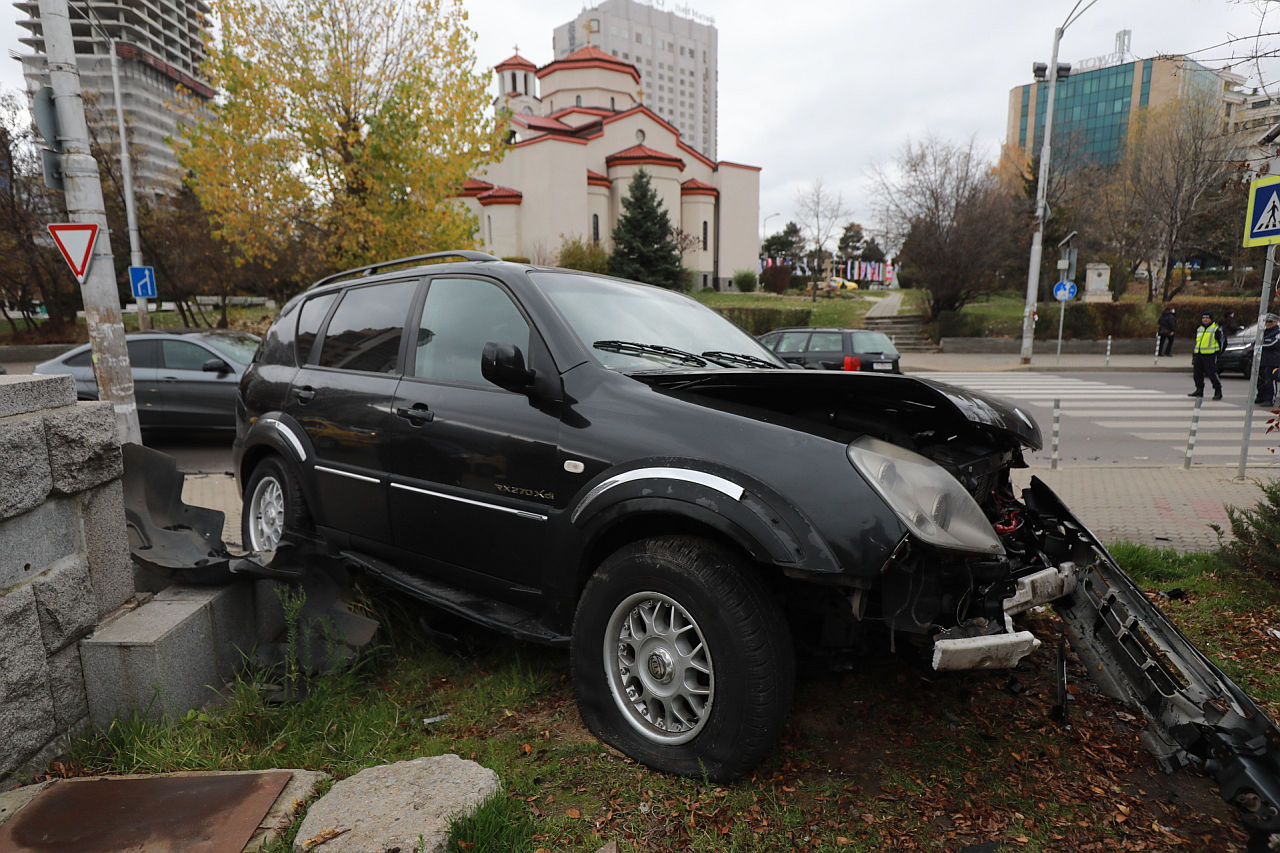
pixel 64 557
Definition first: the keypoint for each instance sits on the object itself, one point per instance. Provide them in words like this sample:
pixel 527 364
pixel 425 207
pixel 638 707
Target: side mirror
pixel 216 365
pixel 503 365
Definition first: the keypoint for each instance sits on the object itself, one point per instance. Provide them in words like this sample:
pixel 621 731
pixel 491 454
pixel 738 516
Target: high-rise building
pixel 160 48
pixel 1095 103
pixel 675 53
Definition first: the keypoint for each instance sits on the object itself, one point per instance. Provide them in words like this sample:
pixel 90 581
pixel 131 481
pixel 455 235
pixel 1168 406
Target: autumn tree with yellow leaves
pixel 348 125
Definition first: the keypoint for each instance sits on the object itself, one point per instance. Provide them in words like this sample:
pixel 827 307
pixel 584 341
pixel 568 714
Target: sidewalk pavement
pixel 1164 507
pixel 1044 362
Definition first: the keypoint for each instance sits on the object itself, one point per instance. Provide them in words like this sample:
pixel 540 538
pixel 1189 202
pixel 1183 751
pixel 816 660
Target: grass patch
pixel 890 756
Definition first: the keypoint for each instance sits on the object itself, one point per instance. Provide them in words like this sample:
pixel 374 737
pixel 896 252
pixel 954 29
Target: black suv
pixel 592 462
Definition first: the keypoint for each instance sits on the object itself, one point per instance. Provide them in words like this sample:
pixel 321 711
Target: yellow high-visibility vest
pixel 1207 339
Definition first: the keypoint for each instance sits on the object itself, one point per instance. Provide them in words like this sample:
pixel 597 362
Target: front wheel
pixel 681 658
pixel 272 504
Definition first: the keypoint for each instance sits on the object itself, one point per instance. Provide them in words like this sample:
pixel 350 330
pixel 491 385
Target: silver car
pixel 182 378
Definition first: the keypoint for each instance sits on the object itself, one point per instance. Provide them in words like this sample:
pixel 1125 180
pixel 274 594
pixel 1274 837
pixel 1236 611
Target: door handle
pixel 418 415
pixel 306 395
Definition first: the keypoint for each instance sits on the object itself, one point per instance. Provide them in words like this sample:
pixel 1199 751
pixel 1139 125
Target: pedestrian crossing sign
pixel 1262 220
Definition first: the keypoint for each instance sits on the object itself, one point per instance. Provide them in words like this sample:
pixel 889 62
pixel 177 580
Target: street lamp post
pixel 765 228
pixel 1042 183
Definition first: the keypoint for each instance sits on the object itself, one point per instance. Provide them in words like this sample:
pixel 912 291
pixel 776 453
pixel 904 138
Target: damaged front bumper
pixel 1197 715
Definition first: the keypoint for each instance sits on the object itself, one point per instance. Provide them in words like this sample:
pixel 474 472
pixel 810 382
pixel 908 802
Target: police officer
pixel 1270 363
pixel 1204 357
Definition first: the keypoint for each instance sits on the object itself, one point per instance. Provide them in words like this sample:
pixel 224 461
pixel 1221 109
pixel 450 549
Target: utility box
pixel 1097 283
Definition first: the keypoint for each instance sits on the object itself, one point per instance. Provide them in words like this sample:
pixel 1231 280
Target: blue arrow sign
pixel 143 282
pixel 1064 291
pixel 1262 218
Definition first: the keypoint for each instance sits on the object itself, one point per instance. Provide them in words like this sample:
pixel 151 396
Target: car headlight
pixel 931 503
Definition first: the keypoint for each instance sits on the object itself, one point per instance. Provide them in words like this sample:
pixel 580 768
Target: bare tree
pixel 943 204
pixel 1176 157
pixel 821 213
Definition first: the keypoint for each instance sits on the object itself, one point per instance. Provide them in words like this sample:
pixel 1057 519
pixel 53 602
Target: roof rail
pixel 465 254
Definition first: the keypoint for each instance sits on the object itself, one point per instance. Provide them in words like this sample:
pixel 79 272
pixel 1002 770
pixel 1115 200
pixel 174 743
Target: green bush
pixel 757 321
pixel 516 259
pixel 579 254
pixel 744 281
pixel 1256 547
pixel 957 324
pixel 1077 324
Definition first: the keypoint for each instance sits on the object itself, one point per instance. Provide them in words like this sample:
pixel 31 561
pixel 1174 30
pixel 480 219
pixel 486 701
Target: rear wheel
pixel 681 658
pixel 273 504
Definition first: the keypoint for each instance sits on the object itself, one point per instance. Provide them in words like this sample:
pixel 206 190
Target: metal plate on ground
pixel 208 813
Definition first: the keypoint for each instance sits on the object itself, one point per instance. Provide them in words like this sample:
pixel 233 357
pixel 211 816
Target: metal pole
pixel 1057 420
pixel 1108 364
pixel 126 175
pixel 1267 271
pixel 1042 182
pixel 1062 313
pixel 1191 436
pixel 1155 359
pixel 84 204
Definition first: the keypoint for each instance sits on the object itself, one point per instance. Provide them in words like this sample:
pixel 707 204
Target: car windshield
pixel 873 342
pixel 237 346
pixel 638 327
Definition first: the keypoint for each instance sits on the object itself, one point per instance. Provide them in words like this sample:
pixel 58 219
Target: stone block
pixel 27 720
pixel 66 686
pixel 84 446
pixel 269 610
pixel 394 805
pixel 25 480
pixel 20 394
pixel 231 619
pixel 35 539
pixel 170 655
pixel 65 602
pixel 106 543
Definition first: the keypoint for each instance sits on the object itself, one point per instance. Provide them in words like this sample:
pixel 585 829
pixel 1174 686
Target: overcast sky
pixel 830 88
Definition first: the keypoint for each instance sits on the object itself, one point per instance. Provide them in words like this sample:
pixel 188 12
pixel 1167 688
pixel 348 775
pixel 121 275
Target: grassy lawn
pixel 844 311
pixel 888 755
pixel 252 318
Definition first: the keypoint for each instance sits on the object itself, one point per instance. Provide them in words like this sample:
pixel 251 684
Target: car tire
pixel 273 505
pixel 681 658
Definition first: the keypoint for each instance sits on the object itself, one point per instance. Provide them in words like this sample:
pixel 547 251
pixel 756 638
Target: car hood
pixel 901 398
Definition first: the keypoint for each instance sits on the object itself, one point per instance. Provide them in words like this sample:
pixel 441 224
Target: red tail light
pixel 852 362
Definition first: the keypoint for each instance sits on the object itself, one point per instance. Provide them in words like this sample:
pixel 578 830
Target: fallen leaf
pixel 573 813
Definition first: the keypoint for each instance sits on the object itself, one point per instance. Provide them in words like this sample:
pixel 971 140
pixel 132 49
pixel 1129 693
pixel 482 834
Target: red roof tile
pixel 693 186
pixel 589 57
pixel 515 62
pixel 643 155
pixel 500 195
pixel 474 187
pixel 597 179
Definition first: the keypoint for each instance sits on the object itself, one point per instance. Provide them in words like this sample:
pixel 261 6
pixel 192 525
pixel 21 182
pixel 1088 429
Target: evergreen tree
pixel 643 246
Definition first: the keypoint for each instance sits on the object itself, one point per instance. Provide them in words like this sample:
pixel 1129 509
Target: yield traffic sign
pixel 75 241
pixel 142 280
pixel 1262 217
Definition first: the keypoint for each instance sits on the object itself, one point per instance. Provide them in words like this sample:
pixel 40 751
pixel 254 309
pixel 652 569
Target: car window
pixel 826 342
pixel 309 320
pixel 459 316
pixel 84 359
pixel 873 342
pixel 180 355
pixel 237 346
pixel 792 341
pixel 364 333
pixel 144 353
pixel 769 340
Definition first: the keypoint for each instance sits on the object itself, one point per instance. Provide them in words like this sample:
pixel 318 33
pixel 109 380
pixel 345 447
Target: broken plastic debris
pixel 439 718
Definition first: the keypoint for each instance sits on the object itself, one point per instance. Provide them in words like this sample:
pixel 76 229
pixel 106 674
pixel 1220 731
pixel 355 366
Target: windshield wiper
pixel 739 358
pixel 633 348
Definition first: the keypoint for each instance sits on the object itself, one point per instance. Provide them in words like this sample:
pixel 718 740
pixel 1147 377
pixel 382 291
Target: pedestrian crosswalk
pixel 1141 413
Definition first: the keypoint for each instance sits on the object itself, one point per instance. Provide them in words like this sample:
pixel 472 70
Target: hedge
pixel 757 321
pixel 1094 320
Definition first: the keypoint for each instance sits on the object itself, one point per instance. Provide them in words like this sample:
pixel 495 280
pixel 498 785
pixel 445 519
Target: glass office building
pixel 1093 108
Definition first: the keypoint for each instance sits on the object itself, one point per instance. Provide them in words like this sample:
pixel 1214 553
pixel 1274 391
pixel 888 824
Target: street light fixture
pixel 765 228
pixel 1054 71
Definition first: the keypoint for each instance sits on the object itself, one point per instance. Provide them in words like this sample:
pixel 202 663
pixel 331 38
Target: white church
pixel 579 131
